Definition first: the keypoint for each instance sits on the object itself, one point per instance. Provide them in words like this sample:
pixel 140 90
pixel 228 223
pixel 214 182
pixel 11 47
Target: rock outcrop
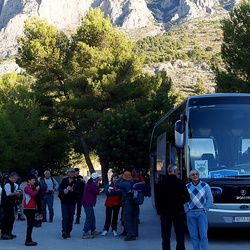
pixel 134 16
pixel 66 14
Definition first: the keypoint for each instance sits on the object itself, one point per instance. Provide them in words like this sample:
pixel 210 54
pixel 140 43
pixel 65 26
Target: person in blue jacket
pixel 130 210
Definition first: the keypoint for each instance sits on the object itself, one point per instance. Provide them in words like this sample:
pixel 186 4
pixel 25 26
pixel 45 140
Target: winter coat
pixel 114 197
pixel 91 190
pixel 29 197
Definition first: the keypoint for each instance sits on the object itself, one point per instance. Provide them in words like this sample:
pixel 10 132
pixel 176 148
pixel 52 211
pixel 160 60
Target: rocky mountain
pixel 148 16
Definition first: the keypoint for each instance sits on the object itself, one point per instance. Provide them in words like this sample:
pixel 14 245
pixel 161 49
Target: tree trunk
pixel 105 169
pixel 84 146
pixel 78 132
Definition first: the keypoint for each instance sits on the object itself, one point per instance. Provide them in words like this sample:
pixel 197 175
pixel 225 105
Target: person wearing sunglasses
pixel 196 209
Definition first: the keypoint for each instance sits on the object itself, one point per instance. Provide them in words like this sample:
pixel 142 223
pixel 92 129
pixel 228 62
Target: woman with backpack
pixel 113 203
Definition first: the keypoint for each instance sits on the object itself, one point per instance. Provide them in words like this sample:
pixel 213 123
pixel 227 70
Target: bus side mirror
pixel 179 133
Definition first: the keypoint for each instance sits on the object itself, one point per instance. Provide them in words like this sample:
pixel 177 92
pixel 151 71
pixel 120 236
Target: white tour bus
pixel 210 133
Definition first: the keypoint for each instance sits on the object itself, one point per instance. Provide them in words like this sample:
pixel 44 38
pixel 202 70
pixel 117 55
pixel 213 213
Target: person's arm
pixel 116 191
pixel 186 205
pixel 95 188
pixel 55 184
pixel 63 186
pixel 8 192
pixel 186 195
pixel 119 183
pixel 141 179
pixel 32 192
pixel 209 198
pixel 108 191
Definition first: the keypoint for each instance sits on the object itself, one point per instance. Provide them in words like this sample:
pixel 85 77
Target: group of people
pixel 74 193
pixel 177 202
pixel 36 196
pixel 117 192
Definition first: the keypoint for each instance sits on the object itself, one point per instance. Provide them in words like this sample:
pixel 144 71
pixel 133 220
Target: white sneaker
pixel 104 233
pixel 115 233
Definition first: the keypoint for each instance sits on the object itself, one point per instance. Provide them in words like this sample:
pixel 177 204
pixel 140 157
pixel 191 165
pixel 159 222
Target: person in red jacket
pixel 30 207
pixel 113 203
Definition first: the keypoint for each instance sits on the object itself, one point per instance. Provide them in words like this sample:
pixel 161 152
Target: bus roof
pixel 199 97
pixel 218 95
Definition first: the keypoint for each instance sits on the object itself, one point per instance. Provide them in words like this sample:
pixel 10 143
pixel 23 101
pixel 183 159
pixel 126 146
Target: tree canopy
pixel 235 51
pixel 86 79
pixel 22 131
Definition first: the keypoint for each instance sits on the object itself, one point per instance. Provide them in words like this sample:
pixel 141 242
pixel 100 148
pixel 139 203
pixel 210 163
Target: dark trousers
pixel 130 213
pixel 31 222
pixel 112 214
pixel 167 219
pixel 8 219
pixel 78 206
pixel 68 212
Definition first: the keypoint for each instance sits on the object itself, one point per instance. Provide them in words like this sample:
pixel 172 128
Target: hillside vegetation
pixel 196 44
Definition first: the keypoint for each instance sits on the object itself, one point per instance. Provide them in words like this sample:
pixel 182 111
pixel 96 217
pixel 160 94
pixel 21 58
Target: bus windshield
pixel 218 143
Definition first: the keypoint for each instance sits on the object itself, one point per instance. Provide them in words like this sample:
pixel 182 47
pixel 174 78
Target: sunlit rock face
pixel 142 17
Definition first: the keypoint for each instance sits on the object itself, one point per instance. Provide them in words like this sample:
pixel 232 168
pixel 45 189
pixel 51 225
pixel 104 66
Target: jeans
pixel 89 224
pixel 167 219
pixel 198 226
pixel 48 201
pixel 111 217
pixel 68 212
pixel 130 213
pixel 31 222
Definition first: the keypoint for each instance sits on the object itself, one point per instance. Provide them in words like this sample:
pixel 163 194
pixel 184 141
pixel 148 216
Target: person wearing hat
pixel 68 191
pixel 130 210
pixel 91 190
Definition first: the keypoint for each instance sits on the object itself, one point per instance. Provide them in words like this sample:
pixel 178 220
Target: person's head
pixel 194 176
pixel 31 179
pixel 173 169
pixel 34 172
pixel 47 174
pixel 77 170
pixel 127 176
pixel 13 177
pixel 95 176
pixel 132 170
pixel 71 172
pixel 114 177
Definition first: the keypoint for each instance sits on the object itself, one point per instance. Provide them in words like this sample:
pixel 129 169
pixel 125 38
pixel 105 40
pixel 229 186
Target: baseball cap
pixel 95 175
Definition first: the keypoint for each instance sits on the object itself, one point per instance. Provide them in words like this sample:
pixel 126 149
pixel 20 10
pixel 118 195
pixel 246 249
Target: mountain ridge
pixel 138 18
pixel 128 14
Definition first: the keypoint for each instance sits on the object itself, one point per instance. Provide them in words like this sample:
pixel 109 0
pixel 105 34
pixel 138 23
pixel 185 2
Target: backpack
pixel 43 185
pixel 136 195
